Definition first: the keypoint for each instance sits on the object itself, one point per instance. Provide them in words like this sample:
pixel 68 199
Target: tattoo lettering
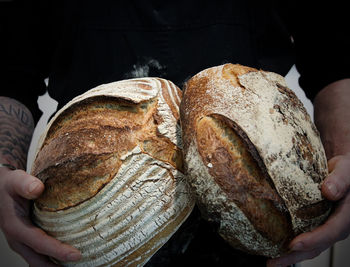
pixel 16 131
pixel 17 112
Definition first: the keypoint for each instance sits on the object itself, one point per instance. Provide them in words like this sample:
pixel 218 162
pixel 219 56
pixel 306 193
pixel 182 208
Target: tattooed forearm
pixel 16 132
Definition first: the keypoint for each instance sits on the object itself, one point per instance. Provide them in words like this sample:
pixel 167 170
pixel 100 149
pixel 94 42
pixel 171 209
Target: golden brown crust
pixel 73 182
pixel 78 142
pixel 83 137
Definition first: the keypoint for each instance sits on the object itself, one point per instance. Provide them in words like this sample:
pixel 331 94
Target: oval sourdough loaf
pixel 111 162
pixel 253 156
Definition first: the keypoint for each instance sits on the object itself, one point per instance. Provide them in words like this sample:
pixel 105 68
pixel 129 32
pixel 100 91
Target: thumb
pixel 20 183
pixel 337 183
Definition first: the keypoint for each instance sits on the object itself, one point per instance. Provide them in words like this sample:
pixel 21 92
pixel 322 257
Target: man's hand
pixel 337 227
pixel 17 188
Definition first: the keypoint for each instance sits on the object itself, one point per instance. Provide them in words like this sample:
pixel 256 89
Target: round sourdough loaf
pixel 253 157
pixel 111 162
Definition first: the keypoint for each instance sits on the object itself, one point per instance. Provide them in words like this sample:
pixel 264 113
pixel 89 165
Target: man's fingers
pixel 337 183
pixel 19 229
pixel 42 243
pixel 31 257
pixel 311 244
pixel 336 228
pixel 20 183
pixel 293 257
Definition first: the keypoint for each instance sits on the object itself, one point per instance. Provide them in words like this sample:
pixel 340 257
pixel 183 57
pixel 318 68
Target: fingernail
pixel 74 256
pixel 33 186
pixel 297 247
pixel 332 189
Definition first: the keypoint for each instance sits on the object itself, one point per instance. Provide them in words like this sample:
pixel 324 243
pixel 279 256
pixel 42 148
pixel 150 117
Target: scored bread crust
pixel 279 135
pixel 111 162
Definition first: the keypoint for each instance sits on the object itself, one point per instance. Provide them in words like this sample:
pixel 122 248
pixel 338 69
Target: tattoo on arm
pixel 17 126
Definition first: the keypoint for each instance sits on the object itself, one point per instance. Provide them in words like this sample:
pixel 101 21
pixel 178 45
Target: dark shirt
pixel 82 44
pixel 79 45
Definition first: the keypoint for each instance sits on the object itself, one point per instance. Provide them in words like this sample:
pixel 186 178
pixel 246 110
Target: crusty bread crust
pixel 251 116
pixel 112 165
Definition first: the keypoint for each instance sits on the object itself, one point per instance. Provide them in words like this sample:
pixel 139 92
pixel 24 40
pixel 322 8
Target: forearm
pixel 332 117
pixel 17 126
